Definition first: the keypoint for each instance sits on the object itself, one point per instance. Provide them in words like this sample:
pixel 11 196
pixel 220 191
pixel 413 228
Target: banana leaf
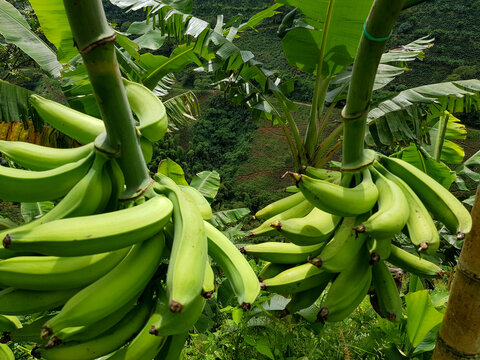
pixel 403 118
pixel 158 66
pixel 452 153
pixel 224 218
pixel 174 171
pixel 15 105
pixel 392 64
pixel 207 183
pixel 182 109
pixel 420 158
pixel 149 38
pixel 466 172
pixel 422 316
pixel 15 29
pixel 6 223
pixel 32 210
pixel 331 31
pixel 54 22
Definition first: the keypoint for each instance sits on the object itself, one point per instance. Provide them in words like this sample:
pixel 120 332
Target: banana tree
pixel 64 64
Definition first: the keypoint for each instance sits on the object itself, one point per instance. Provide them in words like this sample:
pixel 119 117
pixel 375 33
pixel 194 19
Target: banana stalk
pixel 380 22
pixel 458 337
pixel 95 40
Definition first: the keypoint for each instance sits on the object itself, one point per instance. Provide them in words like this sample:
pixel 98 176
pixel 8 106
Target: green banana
pixel 147 148
pixel 128 327
pixel 172 350
pixel 347 290
pixel 392 213
pixel 93 234
pixel 208 287
pixel 85 198
pixel 282 253
pixel 304 299
pixel 421 229
pixel 270 270
pixel 336 199
pixel 6 353
pixel 39 158
pixel 87 332
pixel 344 247
pixel 379 249
pixel 148 108
pixel 299 210
pixel 19 302
pixel 118 184
pixel 113 290
pixel 81 127
pixel 413 263
pixel 311 229
pixel 292 189
pixel 386 291
pixel 438 200
pixel 165 322
pixel 9 323
pixel 30 186
pixel 323 174
pixel 57 273
pixel 143 346
pixel 186 269
pixel 197 197
pixel 84 128
pixel 236 268
pixel 279 206
pixel 297 279
pixel 106 186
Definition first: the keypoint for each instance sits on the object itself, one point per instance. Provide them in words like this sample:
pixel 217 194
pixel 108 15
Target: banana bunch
pixel 94 264
pixel 339 231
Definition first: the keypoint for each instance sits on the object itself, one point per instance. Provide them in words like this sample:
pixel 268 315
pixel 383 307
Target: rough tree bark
pixel 459 336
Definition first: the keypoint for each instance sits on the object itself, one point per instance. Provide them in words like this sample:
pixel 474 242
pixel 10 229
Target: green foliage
pixel 220 141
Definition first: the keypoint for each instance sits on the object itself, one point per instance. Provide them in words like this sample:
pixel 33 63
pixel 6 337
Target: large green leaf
pixel 33 210
pixel 174 171
pixel 15 105
pixel 392 64
pixel 16 30
pixel 149 38
pixel 184 6
pixel 419 158
pixel 182 109
pixel 422 316
pixel 403 118
pixel 6 223
pixel 464 172
pixel 158 66
pixel 223 218
pixel 335 37
pixel 452 153
pixel 54 22
pixel 207 183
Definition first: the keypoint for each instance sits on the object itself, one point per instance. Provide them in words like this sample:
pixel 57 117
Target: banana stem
pixel 300 153
pixel 95 40
pixel 327 142
pixel 458 336
pixel 379 24
pixel 442 130
pixel 315 128
pixel 323 160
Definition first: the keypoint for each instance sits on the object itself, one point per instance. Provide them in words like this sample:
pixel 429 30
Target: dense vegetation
pixel 250 156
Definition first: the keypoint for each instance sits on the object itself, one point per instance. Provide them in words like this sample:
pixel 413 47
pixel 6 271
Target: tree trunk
pixel 459 336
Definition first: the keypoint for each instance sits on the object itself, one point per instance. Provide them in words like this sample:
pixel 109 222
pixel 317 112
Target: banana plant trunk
pixel 95 40
pixel 459 336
